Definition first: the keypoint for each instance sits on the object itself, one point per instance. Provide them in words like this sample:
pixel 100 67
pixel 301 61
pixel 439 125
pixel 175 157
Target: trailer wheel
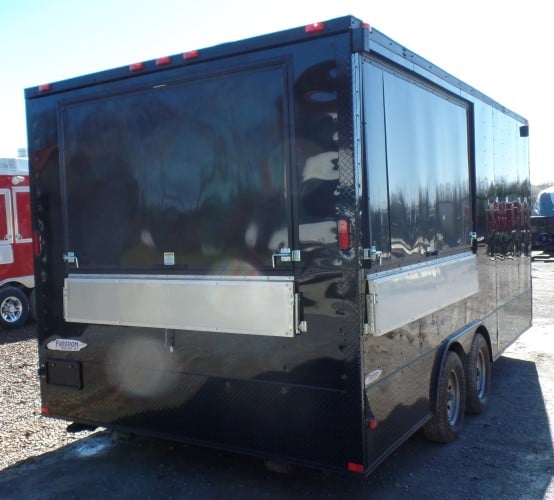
pixel 449 406
pixel 14 307
pixel 478 373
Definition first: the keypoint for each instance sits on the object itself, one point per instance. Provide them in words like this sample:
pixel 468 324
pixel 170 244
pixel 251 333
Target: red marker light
pixel 161 61
pixel 354 467
pixel 366 26
pixel 45 410
pixel 36 243
pixel 314 28
pixel 372 424
pixel 343 232
pixel 191 54
pixel 45 87
pixel 136 67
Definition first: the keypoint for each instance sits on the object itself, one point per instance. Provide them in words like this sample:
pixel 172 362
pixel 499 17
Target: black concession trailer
pixel 303 246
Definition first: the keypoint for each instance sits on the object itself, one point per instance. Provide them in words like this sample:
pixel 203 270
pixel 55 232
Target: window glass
pixel 417 160
pixel 376 161
pixel 194 170
pixel 427 153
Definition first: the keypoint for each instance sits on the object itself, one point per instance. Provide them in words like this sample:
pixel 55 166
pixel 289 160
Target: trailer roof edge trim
pixel 372 41
pixel 380 44
pixel 226 49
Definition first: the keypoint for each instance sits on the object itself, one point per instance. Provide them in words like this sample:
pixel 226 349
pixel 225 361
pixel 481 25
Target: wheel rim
pixel 453 402
pixel 11 309
pixel 481 375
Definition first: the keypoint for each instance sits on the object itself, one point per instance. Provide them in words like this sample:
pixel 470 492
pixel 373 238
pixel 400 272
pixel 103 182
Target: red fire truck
pixel 16 254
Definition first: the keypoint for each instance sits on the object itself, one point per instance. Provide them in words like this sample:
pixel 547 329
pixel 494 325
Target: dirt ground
pixel 507 452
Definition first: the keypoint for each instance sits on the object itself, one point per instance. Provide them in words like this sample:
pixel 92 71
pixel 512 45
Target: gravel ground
pixel 23 431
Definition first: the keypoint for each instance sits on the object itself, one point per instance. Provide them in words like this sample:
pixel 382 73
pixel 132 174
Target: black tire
pixel 449 405
pixel 478 375
pixel 14 307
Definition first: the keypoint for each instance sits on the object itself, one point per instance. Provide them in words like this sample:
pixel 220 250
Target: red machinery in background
pixel 16 253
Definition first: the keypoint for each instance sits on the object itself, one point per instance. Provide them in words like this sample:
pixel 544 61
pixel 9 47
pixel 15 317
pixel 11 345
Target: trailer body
pixel 16 254
pixel 276 246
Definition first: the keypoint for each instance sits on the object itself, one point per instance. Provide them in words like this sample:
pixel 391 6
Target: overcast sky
pixel 501 47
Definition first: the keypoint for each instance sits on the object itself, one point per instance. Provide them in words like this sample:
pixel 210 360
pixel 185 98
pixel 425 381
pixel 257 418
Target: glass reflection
pixel 376 160
pixel 503 211
pixel 194 168
pixel 316 119
pixel 418 158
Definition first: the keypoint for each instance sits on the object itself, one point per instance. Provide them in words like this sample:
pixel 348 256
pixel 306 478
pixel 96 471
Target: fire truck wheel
pixel 478 373
pixel 14 307
pixel 449 406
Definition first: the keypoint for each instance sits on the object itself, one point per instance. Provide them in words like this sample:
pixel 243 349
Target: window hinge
pixel 286 255
pixel 301 326
pixel 370 301
pixel 373 254
pixel 71 258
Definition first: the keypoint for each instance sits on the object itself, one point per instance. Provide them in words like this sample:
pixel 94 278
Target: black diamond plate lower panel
pixel 300 424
